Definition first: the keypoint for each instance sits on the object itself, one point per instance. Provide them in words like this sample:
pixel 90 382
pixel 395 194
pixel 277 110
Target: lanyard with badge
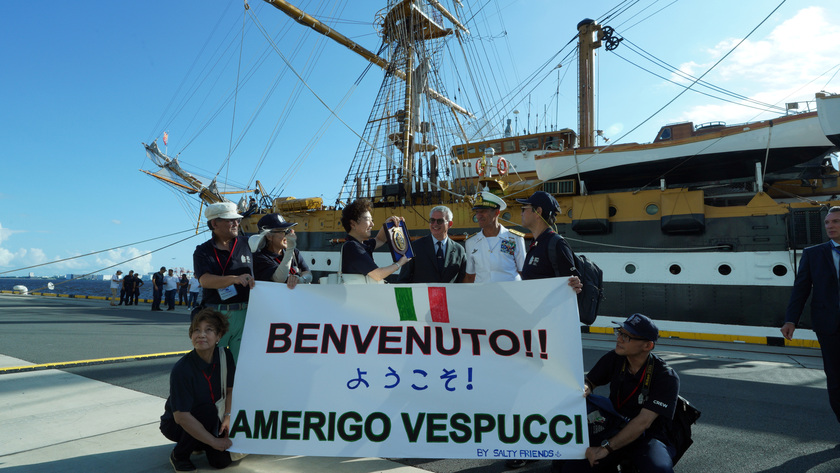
pixel 230 291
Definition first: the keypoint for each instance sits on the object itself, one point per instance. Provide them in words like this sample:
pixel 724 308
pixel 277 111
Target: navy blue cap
pixel 541 199
pixel 640 326
pixel 274 221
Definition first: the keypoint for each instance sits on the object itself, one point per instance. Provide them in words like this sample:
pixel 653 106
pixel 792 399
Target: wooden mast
pixel 589 39
pixel 307 20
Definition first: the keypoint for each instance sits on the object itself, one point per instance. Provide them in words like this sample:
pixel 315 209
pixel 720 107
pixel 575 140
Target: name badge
pixel 227 292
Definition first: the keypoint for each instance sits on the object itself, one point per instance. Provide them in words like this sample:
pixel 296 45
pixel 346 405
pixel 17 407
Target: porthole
pixel 630 268
pixel 780 270
pixel 506 216
pixel 475 218
pixel 613 211
pixel 675 269
pixel 313 262
pixel 570 213
pixel 652 209
pixel 329 262
pixel 725 269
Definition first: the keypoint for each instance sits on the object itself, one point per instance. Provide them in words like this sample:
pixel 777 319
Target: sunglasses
pixel 439 221
pixel 626 337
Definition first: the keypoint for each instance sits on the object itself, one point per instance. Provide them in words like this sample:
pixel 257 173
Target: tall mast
pixel 589 39
pixel 308 20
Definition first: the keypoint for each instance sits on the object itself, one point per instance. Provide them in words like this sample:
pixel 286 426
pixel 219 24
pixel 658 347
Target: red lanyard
pixel 209 384
pixel 618 401
pixel 292 270
pixel 229 256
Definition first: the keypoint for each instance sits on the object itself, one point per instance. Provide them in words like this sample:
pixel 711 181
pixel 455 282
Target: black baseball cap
pixel 641 326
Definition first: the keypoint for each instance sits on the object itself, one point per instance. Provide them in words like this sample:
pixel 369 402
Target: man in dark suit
pixel 437 259
pixel 818 277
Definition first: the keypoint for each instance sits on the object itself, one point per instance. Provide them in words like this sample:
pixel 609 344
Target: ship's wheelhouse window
pixel 725 269
pixel 780 270
pixel 652 209
pixel 508 146
pixel 630 268
pixel 665 134
pixel 471 150
pixel 613 211
pixel 529 143
pixel 675 269
pixel 459 151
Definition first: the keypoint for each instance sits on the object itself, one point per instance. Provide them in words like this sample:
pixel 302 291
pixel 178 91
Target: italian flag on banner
pixel 437 304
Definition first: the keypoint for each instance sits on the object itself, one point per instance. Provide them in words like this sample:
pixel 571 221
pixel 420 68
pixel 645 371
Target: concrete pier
pixel 82 387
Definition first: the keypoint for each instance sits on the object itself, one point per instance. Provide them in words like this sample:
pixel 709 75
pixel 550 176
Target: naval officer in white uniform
pixel 495 253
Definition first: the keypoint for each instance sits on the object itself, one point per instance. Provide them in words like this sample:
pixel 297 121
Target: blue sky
pixel 84 83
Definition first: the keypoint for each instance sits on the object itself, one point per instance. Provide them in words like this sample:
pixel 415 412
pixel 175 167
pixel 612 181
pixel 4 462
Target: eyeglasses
pixel 439 221
pixel 626 337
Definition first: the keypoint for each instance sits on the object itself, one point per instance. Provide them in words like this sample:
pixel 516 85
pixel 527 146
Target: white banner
pixel 412 371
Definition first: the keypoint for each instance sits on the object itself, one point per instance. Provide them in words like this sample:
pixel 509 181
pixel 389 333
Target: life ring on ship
pixel 502 166
pixel 479 167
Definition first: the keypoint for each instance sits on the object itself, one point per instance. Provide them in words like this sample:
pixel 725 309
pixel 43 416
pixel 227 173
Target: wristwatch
pixel 606 444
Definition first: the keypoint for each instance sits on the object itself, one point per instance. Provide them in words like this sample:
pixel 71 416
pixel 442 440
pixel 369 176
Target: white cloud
pixel 121 256
pixel 784 66
pixel 116 222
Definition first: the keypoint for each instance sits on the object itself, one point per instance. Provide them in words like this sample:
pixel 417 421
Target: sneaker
pixel 181 465
pixel 234 456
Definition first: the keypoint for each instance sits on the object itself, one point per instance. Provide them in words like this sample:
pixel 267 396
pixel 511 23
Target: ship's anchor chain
pixel 610 38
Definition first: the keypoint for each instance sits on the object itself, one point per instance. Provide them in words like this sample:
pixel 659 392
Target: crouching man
pixel 644 389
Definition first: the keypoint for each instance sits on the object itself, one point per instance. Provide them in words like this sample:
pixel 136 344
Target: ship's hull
pixel 725 155
pixel 737 267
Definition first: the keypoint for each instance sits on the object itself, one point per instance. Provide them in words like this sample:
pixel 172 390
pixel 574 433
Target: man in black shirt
pixel 224 267
pixel 644 389
pixel 157 288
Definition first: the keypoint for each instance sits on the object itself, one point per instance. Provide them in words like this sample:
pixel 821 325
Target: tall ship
pixel 705 223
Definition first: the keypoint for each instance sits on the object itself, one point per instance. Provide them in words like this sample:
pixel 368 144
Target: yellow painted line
pixel 716 337
pixel 70 364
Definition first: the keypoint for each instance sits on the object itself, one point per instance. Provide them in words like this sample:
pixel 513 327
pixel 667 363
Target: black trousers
pixel 156 293
pixel 136 296
pixel 185 443
pixel 830 347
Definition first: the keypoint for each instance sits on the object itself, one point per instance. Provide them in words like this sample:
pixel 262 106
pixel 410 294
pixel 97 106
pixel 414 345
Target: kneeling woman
pixel 357 252
pixel 192 418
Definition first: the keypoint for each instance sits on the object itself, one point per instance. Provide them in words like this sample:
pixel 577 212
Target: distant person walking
pixel 818 278
pixel 183 289
pixel 128 287
pixel 138 283
pixel 170 287
pixel 157 288
pixel 116 284
pixel 195 286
